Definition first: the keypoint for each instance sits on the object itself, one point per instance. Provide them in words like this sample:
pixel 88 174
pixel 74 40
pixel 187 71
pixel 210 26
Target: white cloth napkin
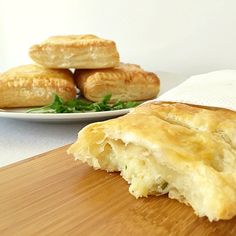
pixel 214 89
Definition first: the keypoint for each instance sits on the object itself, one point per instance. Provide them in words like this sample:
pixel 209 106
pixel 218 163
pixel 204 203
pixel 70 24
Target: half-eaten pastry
pixel 187 152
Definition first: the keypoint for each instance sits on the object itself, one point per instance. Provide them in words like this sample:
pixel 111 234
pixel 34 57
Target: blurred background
pixel 185 36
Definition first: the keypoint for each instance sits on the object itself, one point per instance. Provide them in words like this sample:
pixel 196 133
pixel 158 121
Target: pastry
pixel 187 152
pixel 33 85
pixel 75 51
pixel 126 82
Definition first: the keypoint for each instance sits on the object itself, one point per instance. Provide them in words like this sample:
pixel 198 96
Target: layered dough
pixel 75 51
pixel 186 151
pixel 33 85
pixel 126 82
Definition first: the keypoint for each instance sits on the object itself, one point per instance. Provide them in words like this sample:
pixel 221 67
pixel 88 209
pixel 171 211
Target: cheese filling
pixel 136 165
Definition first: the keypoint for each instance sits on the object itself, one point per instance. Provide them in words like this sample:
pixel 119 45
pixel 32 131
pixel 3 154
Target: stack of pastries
pixel 98 72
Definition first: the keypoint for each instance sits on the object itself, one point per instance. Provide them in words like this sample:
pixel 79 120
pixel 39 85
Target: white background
pixel 184 36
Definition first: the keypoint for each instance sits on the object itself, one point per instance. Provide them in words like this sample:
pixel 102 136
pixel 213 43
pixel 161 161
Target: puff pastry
pixel 33 85
pixel 186 151
pixel 127 82
pixel 75 51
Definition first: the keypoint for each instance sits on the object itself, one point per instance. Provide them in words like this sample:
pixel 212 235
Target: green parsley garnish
pixel 164 185
pixel 79 105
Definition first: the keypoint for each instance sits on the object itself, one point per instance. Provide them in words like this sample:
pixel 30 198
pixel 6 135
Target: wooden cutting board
pixel 51 194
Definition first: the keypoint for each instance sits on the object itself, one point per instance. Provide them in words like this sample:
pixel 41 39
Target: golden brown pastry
pixel 75 51
pixel 127 82
pixel 186 151
pixel 33 85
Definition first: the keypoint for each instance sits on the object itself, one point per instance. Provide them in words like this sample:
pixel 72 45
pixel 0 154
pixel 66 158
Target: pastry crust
pixel 186 151
pixel 75 51
pixel 127 82
pixel 33 85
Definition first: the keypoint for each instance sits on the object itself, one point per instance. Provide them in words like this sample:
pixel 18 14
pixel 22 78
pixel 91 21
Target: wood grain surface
pixel 51 194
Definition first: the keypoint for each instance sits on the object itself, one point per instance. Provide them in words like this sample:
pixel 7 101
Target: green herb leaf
pixel 164 185
pixel 58 105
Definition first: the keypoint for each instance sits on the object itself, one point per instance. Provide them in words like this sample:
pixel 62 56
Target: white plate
pixel 64 117
pixel 168 81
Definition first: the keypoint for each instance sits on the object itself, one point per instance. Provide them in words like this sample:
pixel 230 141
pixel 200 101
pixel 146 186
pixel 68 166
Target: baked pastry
pixel 126 82
pixel 186 151
pixel 33 85
pixel 75 51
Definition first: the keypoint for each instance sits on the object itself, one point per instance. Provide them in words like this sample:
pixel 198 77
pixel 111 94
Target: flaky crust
pixel 33 85
pixel 127 82
pixel 192 149
pixel 75 51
